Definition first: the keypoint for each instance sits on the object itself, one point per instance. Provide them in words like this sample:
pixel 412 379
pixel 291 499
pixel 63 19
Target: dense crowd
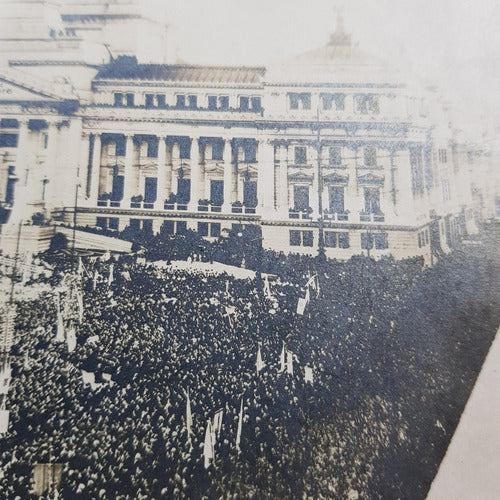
pixel 385 340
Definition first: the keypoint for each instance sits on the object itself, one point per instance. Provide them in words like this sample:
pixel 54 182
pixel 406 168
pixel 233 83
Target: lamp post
pixel 321 235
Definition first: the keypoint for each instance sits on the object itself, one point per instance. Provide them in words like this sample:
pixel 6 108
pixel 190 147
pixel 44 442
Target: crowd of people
pixel 385 341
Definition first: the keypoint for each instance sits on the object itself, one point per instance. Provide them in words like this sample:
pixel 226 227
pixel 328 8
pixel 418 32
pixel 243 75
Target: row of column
pixel 272 177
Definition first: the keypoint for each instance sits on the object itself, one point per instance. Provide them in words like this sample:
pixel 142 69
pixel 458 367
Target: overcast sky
pixel 453 43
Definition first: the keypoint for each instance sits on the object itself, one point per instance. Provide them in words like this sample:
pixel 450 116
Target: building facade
pixel 331 142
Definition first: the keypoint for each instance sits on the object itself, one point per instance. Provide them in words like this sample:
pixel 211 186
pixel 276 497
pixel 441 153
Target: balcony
pixel 299 214
pixel 336 217
pixel 371 217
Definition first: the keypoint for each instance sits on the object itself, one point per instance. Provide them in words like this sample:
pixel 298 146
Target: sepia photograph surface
pixel 249 250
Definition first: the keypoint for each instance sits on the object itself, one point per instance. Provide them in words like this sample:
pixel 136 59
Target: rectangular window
pixel 150 100
pixel 216 192
pixel 160 99
pixel 336 195
pixel 212 102
pixel 180 101
pixel 147 225
pixel 193 101
pixel 330 239
pixel 8 140
pixel 215 229
pixel 244 103
pixel 167 227
pixel 343 240
pixel 120 146
pixel 366 241
pixel 101 222
pixel 130 100
pixel 224 102
pixel 443 156
pixel 9 123
pixel 152 148
pixel 181 227
pixel 335 155
pixel 301 198
pixel 370 156
pixel 135 224
pixel 300 101
pixel 373 104
pixel 300 155
pixel 360 104
pixel 372 201
pixel 380 240
pixel 150 189
pixel 294 101
pixel 339 100
pixel 327 100
pixel 307 238
pixel 295 238
pixel 250 194
pixel 118 96
pixel 256 103
pixel 203 228
pixel 113 223
pixel 117 189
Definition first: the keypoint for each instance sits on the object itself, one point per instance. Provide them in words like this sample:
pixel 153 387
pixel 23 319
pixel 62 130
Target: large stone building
pixel 332 142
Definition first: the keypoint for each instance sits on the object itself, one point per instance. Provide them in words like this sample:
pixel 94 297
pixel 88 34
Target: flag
pixel 110 277
pixel 240 426
pixel 59 328
pixel 259 364
pixel 308 375
pixel 189 418
pixel 282 359
pixel 208 447
pixel 4 421
pixel 71 339
pixel 230 312
pixel 289 362
pixel 79 299
pixel 217 427
pixel 88 377
pixel 96 277
pixel 267 289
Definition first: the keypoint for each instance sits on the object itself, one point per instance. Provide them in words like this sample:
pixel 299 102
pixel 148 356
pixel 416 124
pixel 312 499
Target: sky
pixel 454 44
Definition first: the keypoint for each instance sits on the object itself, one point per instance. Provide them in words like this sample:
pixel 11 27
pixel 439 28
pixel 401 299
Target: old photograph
pixel 249 250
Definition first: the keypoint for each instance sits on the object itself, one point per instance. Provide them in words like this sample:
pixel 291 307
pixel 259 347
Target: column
pixel 83 166
pixel 161 173
pixel 94 169
pixel 352 201
pixel 265 179
pixel 228 176
pixel 283 205
pixel 195 174
pixel 128 180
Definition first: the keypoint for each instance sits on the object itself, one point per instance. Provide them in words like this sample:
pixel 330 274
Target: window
pixel 256 103
pixel 443 156
pixel 160 99
pixel 203 228
pixel 339 100
pixel 299 100
pixel 152 148
pixel 45 141
pixel 183 191
pixel 327 100
pixel 120 146
pixel 304 238
pixel 113 223
pixel 212 102
pixel 216 193
pixel 335 155
pixel 135 224
pixel 180 101
pixel 330 239
pixel 118 96
pixel 301 198
pixel 150 189
pixel 334 239
pixel 130 100
pixel 147 225
pixel 300 155
pixel 307 238
pixel 370 156
pixel 380 240
pixel 224 102
pixel 366 103
pixel 372 200
pixel 8 140
pixel 117 189
pixel 150 100
pixel 167 227
pixel 373 105
pixel 250 194
pixel 215 229
pixel 193 101
pixel 181 227
pixel 217 150
pixel 366 241
pixel 244 103
pixel 9 123
pixel 295 238
pixel 336 101
pixel 343 240
pixel 102 222
pixel 336 198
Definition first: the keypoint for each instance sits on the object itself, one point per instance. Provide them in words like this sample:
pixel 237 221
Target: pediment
pixel 371 179
pixel 300 177
pixel 336 178
pixel 17 87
